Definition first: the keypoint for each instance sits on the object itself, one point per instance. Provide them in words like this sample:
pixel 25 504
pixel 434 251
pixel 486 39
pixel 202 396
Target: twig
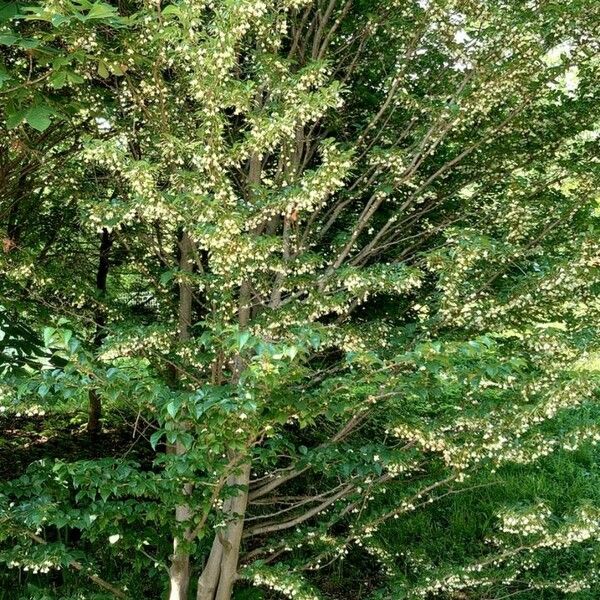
pixel 79 567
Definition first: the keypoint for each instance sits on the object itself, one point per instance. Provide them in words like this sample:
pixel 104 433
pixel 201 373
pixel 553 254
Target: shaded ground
pixel 25 439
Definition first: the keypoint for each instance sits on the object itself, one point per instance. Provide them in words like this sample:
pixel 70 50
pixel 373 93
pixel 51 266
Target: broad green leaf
pixel 117 70
pixel 58 79
pixel 58 20
pixel 102 70
pixel 173 407
pixel 48 334
pixel 13 119
pixel 39 117
pixel 4 76
pixel 8 39
pixel 243 338
pixel 171 9
pixel 167 276
pixel 29 43
pixel 155 437
pixel 101 10
pixel 8 10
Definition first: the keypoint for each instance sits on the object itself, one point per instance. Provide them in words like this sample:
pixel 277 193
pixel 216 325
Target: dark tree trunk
pixel 94 423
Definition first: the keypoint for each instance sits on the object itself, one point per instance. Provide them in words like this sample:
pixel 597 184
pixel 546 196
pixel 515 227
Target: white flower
pixel 461 37
pixel 572 79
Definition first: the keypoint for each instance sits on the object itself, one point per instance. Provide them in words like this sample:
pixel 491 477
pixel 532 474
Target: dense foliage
pixel 332 266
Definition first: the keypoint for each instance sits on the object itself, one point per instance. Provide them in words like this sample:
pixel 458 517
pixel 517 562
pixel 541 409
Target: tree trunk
pixel 179 571
pixel 94 424
pixel 219 574
pixel 209 578
pixel 94 413
pixel 233 537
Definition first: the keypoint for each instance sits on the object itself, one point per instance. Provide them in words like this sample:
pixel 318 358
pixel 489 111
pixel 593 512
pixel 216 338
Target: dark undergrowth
pixel 26 439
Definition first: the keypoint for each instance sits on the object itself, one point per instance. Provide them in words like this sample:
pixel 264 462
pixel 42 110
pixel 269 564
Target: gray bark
pixel 179 571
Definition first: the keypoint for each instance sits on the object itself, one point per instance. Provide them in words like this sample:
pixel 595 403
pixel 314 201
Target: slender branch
pixel 79 567
pixel 293 473
pixel 272 527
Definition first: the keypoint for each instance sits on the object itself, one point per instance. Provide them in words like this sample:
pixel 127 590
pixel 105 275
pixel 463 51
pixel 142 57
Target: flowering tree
pixel 346 264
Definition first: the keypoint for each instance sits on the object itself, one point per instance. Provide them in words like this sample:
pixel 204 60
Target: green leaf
pixel 117 70
pixel 8 10
pixel 173 407
pixel 167 276
pixel 104 73
pixel 48 334
pixel 58 20
pixel 8 39
pixel 186 439
pixel 58 79
pixel 101 10
pixel 38 117
pixel 172 9
pixel 154 438
pixel 74 345
pixel 291 351
pixel 243 338
pixel 4 76
pixel 14 118
pixel 29 43
pixel 74 77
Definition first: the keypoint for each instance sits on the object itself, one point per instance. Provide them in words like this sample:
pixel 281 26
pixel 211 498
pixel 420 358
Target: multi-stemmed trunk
pixel 218 576
pixel 219 573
